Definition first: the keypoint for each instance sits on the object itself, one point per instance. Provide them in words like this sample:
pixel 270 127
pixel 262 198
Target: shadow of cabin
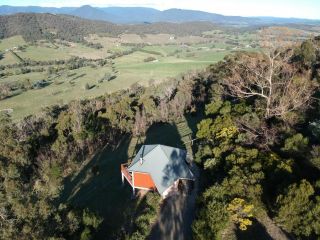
pixel 103 193
pixel 171 222
pixel 164 134
pixel 255 232
pixel 170 218
pixel 98 187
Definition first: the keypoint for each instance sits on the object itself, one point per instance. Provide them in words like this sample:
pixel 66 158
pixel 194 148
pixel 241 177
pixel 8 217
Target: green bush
pixel 297 213
pixel 91 219
pixel 86 234
pixel 295 144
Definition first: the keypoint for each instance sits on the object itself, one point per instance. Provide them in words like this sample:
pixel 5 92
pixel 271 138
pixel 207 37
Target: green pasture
pixel 128 69
pixel 11 42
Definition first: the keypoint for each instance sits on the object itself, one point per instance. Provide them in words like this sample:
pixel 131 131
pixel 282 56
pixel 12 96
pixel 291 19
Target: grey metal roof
pixel 165 165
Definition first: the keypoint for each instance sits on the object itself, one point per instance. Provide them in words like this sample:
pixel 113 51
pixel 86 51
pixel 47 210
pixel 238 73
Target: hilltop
pixel 130 15
pixel 34 26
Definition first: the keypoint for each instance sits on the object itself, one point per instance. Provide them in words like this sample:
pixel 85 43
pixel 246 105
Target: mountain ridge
pixel 35 26
pixel 133 15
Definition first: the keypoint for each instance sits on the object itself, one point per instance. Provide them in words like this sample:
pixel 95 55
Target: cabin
pixel 157 168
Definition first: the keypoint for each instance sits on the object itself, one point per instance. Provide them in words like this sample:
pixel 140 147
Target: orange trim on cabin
pixel 143 180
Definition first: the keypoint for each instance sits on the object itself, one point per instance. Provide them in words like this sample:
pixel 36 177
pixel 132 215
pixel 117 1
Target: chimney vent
pixel 141 160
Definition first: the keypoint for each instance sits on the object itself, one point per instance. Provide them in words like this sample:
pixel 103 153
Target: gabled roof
pixel 165 165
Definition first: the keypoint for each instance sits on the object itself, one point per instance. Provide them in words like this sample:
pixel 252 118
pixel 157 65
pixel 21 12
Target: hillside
pixel 34 26
pixel 130 15
pixel 258 159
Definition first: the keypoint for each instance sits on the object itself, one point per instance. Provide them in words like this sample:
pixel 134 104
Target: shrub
pixel 297 212
pixel 295 144
pixel 86 234
pixel 86 86
pixel 150 59
pixel 91 219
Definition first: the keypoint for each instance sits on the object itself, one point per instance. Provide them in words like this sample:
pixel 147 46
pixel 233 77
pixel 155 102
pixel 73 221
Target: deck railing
pixel 126 173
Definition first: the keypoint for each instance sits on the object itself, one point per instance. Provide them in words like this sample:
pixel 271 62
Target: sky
pixel 276 8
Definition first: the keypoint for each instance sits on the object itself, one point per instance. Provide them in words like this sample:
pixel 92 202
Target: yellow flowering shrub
pixel 240 213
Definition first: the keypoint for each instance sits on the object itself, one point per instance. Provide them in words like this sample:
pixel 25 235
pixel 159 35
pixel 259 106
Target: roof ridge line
pixel 164 151
pixel 156 145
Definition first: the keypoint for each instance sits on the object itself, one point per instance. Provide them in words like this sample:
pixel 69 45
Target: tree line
pixel 259 145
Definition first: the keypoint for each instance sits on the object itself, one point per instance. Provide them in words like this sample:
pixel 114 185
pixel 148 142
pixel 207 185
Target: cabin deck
pixel 126 173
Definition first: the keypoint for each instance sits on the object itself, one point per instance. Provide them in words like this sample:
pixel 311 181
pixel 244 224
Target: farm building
pixel 157 168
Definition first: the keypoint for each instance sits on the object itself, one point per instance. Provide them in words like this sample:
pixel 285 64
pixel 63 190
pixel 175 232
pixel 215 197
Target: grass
pixel 104 193
pixel 11 42
pixel 8 58
pixel 33 76
pixel 42 53
pixel 165 50
pixel 61 90
pixel 129 69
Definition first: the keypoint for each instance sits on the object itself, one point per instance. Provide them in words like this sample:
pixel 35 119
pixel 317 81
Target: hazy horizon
pixel 247 8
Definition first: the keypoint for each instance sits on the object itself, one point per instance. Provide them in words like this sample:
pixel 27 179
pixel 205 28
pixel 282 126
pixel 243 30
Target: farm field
pixel 129 65
pixel 44 73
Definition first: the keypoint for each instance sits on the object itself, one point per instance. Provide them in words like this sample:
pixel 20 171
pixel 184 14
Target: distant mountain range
pixel 35 26
pixel 132 15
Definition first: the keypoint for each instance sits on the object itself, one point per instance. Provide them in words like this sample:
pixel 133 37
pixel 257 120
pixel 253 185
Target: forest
pixel 49 26
pixel 257 147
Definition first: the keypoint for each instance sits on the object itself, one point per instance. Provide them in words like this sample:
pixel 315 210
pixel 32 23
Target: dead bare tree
pixel 270 77
pixel 4 90
pixel 140 124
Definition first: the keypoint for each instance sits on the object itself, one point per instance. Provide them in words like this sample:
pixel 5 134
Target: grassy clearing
pixel 11 42
pixel 61 90
pixel 41 53
pixel 33 76
pixel 8 58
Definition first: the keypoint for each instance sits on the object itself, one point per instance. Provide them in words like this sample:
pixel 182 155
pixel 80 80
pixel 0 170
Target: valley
pixel 119 64
pixel 132 123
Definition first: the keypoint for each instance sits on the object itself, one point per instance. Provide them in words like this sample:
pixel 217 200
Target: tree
pixel 241 212
pixel 315 128
pixel 296 144
pixel 271 79
pixel 315 159
pixel 270 76
pixel 213 216
pixel 86 234
pixel 297 212
pixel 5 90
pixel 307 53
pixel 86 86
pixel 91 219
pixel 140 124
